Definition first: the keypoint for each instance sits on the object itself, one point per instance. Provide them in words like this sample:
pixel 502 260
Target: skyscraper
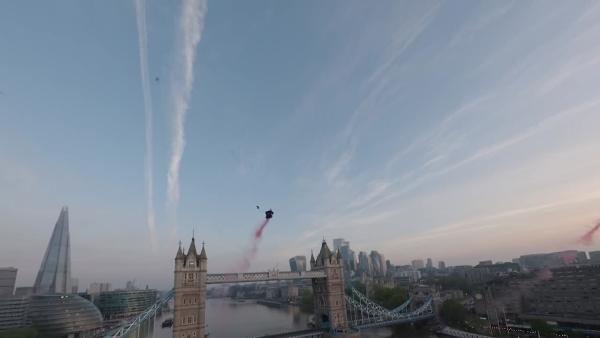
pixel 442 265
pixel 418 264
pixel 429 263
pixel 378 262
pixel 364 263
pixel 7 281
pixel 338 243
pixel 54 275
pixel 298 263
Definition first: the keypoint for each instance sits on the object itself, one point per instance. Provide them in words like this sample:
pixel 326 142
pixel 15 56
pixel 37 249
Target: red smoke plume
pixel 588 237
pixel 253 249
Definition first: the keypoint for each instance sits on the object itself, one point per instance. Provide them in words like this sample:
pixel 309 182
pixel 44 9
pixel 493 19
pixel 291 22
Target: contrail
pixel 140 11
pixel 190 25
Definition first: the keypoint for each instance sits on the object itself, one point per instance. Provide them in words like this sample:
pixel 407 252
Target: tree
pixel 453 313
pixel 545 330
pixel 389 298
pixel 307 301
pixel 19 333
pixel 358 286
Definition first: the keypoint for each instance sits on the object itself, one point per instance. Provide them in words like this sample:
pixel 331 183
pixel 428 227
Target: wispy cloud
pixel 140 11
pixel 191 25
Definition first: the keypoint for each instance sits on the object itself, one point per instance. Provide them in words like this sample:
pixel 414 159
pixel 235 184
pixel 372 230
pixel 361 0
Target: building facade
pixel 8 276
pixel 190 293
pixel 571 295
pixel 54 275
pixel 418 264
pixel 99 287
pixel 330 305
pixel 123 304
pixel 298 263
pixel 13 312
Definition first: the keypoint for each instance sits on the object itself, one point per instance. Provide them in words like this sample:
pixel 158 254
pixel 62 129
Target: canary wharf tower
pixel 55 272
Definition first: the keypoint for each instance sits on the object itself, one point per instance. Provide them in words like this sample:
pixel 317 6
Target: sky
pixel 460 130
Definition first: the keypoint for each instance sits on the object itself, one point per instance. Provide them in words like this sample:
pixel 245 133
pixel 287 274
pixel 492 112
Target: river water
pixel 227 318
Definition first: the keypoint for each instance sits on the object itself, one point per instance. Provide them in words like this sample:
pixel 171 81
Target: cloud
pixel 191 25
pixel 140 12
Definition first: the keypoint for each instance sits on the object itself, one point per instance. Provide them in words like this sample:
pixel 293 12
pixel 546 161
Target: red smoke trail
pixel 251 252
pixel 588 238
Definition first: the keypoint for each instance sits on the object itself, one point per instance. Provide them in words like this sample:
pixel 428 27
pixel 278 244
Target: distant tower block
pixel 190 293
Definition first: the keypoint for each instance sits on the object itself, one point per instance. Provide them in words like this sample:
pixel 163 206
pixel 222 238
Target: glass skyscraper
pixel 54 275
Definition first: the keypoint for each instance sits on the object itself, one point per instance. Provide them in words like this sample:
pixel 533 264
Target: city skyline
pixel 394 127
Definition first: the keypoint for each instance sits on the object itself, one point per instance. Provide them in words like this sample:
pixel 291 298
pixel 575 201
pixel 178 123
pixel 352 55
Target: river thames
pixel 227 318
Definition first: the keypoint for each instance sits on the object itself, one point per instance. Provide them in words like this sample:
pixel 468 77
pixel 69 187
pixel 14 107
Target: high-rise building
pixel 378 262
pixel 54 275
pixel 338 243
pixel 8 276
pixel 96 288
pixel 418 264
pixel 442 265
pixel 364 263
pixel 298 263
pixel 130 285
pixel 429 263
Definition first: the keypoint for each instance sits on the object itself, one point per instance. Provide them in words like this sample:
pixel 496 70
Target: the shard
pixel 54 275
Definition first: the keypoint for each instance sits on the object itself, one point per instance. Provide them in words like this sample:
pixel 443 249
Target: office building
pixel 571 295
pixel 378 264
pixel 364 264
pixel 123 304
pixel 442 265
pixel 13 312
pixel 549 260
pixel 8 276
pixel 96 288
pixel 24 291
pixel 418 264
pixel 298 264
pixel 60 315
pixel 338 243
pixel 429 264
pixel 54 275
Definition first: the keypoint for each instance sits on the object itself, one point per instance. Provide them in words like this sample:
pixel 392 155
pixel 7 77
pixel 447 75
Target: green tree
pixel 389 298
pixel 453 313
pixel 307 301
pixel 545 330
pixel 19 333
pixel 358 286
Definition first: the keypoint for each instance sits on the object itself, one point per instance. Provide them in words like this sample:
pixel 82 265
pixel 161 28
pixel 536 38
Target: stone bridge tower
pixel 330 304
pixel 190 293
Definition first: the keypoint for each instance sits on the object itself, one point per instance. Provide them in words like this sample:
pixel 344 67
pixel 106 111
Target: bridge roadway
pixel 272 275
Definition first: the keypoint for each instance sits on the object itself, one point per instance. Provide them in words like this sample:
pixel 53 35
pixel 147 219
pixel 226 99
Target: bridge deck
pixel 297 334
pixel 246 277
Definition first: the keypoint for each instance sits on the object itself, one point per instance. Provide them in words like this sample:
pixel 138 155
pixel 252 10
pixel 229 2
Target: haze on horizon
pixel 459 131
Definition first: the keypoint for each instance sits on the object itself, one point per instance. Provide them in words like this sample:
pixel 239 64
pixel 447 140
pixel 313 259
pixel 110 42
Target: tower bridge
pixel 336 313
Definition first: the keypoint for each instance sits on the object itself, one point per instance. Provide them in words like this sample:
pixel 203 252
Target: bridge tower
pixel 330 304
pixel 190 293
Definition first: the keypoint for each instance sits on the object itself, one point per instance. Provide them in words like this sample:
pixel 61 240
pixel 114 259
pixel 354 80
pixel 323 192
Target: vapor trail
pixel 190 26
pixel 140 13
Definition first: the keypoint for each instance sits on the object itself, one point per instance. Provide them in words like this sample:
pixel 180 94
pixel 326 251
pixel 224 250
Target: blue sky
pixel 453 130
